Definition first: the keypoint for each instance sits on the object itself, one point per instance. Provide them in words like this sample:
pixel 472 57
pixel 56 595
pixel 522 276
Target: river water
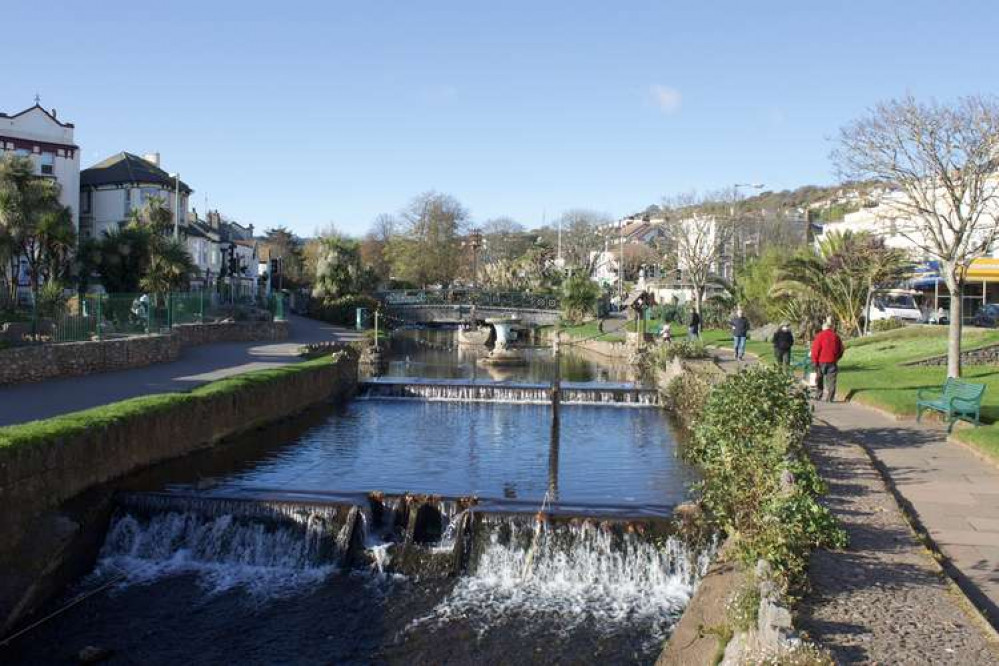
pixel 218 589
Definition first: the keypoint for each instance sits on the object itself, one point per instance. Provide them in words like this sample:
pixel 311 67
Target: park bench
pixel 957 400
pixel 804 363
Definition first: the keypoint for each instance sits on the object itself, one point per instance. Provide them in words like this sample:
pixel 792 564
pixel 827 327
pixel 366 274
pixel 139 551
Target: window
pixel 85 198
pixel 48 163
pixel 128 202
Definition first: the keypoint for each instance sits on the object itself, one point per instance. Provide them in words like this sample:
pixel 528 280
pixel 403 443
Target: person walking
pixel 740 330
pixel 694 328
pixel 783 342
pixel 827 350
pixel 667 333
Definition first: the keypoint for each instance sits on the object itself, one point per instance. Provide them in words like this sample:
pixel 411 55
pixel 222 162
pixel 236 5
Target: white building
pixel 112 189
pixel 37 133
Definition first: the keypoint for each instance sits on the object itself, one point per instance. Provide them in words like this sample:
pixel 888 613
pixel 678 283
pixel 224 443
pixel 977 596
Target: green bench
pixel 804 364
pixel 957 400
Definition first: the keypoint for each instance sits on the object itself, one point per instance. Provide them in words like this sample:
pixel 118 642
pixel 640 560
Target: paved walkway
pixel 196 365
pixel 952 492
pixel 882 600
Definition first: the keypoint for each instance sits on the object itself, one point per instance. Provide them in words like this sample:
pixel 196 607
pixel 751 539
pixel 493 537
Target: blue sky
pixel 305 113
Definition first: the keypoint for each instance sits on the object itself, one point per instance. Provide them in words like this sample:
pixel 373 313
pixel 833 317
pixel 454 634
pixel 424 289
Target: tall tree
pixel 374 245
pixel 941 161
pixel 36 227
pixel 427 249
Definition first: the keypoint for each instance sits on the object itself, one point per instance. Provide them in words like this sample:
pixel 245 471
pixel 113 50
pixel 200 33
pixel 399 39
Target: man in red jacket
pixel 827 349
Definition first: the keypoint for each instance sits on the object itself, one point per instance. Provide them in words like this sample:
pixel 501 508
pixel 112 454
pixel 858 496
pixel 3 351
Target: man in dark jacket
pixel 694 329
pixel 827 350
pixel 740 330
pixel 783 342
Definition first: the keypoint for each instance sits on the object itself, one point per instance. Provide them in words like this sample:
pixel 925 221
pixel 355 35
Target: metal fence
pixel 102 316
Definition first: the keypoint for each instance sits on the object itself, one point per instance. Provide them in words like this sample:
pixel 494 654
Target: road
pixel 197 365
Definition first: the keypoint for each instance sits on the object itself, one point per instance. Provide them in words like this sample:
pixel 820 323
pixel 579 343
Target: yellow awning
pixel 983 269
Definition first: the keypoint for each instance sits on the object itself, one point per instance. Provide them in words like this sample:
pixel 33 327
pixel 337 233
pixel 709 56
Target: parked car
pixel 987 317
pixel 897 304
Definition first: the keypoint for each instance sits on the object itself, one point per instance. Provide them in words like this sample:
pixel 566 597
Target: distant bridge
pixel 455 305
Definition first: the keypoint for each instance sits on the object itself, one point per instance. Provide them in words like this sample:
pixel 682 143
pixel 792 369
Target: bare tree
pixel 941 162
pixel 698 230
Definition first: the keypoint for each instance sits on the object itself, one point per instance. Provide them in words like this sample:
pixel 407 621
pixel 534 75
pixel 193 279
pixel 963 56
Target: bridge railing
pixel 500 299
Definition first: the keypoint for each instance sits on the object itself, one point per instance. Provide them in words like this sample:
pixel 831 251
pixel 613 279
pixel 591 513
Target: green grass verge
pixel 588 330
pixel 872 372
pixel 74 423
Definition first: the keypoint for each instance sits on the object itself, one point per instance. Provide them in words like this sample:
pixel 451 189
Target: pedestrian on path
pixel 740 330
pixel 827 350
pixel 667 333
pixel 694 329
pixel 783 342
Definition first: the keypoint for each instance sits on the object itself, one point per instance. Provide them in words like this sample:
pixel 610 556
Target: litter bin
pixel 362 313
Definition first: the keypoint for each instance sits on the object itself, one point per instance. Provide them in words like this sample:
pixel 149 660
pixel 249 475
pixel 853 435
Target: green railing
pixel 101 316
pixel 504 299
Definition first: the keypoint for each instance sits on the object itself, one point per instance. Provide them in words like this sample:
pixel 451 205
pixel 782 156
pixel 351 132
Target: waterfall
pixel 574 572
pixel 268 548
pixel 595 394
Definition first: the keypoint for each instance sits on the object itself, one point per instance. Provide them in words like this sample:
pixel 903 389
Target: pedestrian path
pixel 949 490
pixel 197 365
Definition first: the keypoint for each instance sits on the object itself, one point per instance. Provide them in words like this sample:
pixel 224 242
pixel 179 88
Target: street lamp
pixel 475 242
pixel 176 205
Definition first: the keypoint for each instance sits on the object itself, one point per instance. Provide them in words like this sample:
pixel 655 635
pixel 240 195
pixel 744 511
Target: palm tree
pixel 170 267
pixel 842 276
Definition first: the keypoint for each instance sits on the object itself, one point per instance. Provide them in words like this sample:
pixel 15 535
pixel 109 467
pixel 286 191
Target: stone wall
pixel 37 478
pixel 981 356
pixel 32 363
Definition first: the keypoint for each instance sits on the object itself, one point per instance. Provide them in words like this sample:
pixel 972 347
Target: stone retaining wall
pixel 32 363
pixel 982 356
pixel 37 478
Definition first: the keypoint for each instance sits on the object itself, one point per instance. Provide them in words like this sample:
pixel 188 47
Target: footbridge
pixel 446 306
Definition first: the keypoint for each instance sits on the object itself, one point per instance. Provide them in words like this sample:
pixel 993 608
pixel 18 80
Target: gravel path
pixel 883 600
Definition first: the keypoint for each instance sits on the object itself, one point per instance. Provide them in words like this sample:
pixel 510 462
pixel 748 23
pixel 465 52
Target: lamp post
pixel 176 205
pixel 474 242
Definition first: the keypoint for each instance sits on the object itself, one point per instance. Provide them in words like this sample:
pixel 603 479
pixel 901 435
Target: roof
pixel 40 108
pixel 126 168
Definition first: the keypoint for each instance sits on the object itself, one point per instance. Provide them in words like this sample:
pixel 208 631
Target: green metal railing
pixel 99 316
pixel 504 299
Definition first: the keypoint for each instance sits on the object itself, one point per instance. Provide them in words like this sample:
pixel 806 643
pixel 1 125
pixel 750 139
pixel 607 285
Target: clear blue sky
pixel 303 113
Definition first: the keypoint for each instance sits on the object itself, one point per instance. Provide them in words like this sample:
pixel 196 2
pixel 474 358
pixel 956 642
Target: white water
pixel 539 395
pixel 268 559
pixel 576 574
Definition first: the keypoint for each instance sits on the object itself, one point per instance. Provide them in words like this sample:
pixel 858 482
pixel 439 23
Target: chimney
pixel 152 157
pixel 53 113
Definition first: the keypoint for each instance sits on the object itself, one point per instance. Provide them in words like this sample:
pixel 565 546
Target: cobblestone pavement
pixel 197 365
pixel 883 600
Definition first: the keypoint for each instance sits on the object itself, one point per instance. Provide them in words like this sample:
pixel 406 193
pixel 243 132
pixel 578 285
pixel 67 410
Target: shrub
pixel 687 393
pixel 758 484
pixel 890 324
pixel 682 349
pixel 341 310
pixel 52 300
pixel 579 297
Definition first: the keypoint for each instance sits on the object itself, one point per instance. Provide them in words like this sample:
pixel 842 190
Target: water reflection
pixel 435 353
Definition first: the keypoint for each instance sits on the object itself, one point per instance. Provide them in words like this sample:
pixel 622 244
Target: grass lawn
pixel 589 330
pixel 872 373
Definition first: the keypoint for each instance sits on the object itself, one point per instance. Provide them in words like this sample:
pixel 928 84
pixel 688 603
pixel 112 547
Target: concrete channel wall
pixel 37 362
pixel 38 478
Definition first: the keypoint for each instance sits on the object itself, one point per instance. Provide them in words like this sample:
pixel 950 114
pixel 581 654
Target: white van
pixel 896 304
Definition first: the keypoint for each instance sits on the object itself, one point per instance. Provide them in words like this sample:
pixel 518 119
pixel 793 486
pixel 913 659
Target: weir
pixel 419 535
pixel 459 390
